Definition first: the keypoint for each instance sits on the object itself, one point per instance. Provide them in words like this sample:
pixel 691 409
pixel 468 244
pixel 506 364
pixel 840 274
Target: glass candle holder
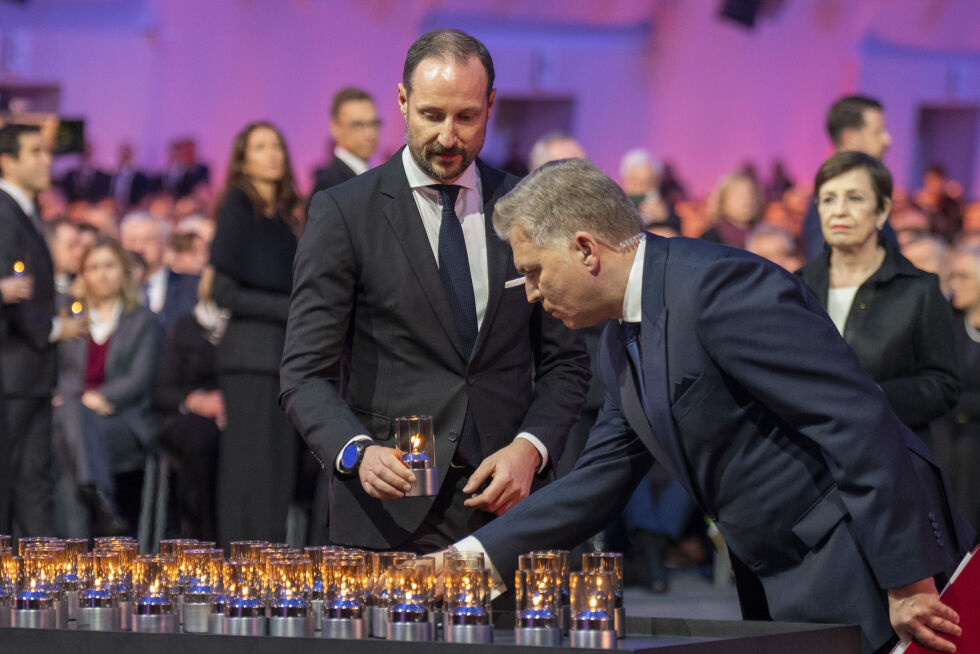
pixel 5 540
pixel 611 562
pixel 380 567
pixel 344 579
pixel 411 586
pixel 463 561
pixel 468 618
pixel 538 620
pixel 97 605
pixel 242 549
pixel 244 610
pixel 416 441
pixel 593 603
pixel 152 583
pixel 35 604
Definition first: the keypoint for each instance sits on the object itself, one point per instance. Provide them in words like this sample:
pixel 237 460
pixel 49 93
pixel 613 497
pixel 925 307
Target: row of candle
pixel 346 593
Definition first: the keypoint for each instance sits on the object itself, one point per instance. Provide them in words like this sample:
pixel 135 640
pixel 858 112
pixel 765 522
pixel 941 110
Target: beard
pixel 423 154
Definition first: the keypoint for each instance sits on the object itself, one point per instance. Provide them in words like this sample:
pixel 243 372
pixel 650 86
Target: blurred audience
pixel 85 182
pixel 736 210
pixel 779 182
pixel 252 255
pixel 104 421
pixel 184 172
pixel 640 175
pixel 167 293
pixel 128 185
pixel 192 409
pixel 553 146
pixel 941 199
pixel 776 244
pixel 956 436
pixel 66 257
pixel 892 314
pixel 928 253
pixel 354 127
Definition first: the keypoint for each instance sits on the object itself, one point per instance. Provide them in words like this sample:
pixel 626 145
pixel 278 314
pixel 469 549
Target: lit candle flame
pixel 416 441
pixel 593 603
pixel 19 268
pixel 76 308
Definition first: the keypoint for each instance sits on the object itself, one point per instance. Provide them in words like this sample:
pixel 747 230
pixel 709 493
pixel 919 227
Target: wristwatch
pixel 351 457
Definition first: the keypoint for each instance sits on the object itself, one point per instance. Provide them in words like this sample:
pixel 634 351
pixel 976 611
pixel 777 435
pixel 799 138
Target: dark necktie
pixel 454 268
pixel 631 335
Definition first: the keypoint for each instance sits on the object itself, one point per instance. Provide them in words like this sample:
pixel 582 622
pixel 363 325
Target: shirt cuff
pixel 538 445
pixel 359 437
pixel 55 332
pixel 471 544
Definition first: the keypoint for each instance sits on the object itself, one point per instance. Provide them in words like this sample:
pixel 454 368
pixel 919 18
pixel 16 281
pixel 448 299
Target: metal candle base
pixel 343 628
pixel 34 618
pixel 161 623
pixel 194 617
pixel 101 618
pixel 565 618
pixel 378 617
pixel 538 636
pixel 593 638
pixel 252 626
pixel 71 596
pixel 293 627
pixel 409 631
pixel 60 612
pixel 125 614
pixel 426 483
pixel 6 620
pixel 216 623
pixel 316 606
pixel 481 634
pixel 619 622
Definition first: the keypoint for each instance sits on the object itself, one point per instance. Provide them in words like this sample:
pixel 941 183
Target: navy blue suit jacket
pixel 760 409
pixel 180 298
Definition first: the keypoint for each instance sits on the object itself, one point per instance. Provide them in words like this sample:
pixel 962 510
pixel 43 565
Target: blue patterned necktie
pixel 631 335
pixel 454 268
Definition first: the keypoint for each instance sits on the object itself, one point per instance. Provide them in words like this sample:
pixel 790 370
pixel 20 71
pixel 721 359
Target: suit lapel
pixel 27 225
pixel 403 215
pixel 653 336
pixel 498 251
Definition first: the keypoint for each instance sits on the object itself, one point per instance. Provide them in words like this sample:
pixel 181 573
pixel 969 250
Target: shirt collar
pixel 355 163
pixel 633 298
pixel 17 193
pixel 418 179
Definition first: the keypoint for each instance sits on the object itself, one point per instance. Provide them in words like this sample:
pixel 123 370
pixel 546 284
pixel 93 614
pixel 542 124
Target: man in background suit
pixel 86 182
pixel 399 307
pixel 166 293
pixel 29 329
pixel 354 126
pixel 726 371
pixel 128 185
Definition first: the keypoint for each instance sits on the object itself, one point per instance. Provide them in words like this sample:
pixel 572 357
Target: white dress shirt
pixel 355 163
pixel 156 289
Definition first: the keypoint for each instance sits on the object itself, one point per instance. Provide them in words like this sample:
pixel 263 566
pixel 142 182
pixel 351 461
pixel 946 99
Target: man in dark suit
pixel 354 126
pixel 184 172
pixel 726 371
pixel 128 185
pixel 86 182
pixel 399 307
pixel 166 293
pixel 29 329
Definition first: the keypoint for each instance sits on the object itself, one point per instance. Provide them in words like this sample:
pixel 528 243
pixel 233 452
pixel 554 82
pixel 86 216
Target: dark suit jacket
pixel 180 298
pixel 367 297
pixel 901 328
pixel 139 186
pixel 337 172
pixel 130 370
pixel 27 359
pixel 91 189
pixel 758 407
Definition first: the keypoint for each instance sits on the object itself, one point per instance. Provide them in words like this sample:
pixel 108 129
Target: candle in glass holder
pixel 410 594
pixel 152 587
pixel 593 605
pixel 290 579
pixel 201 568
pixel 611 562
pixel 377 594
pixel 467 597
pixel 6 584
pixel 33 603
pixel 344 579
pixel 98 608
pixel 463 561
pixel 127 549
pixel 19 269
pixel 415 439
pixel 537 593
pixel 244 609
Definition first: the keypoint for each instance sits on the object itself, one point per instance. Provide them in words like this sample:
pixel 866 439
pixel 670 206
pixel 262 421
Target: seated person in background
pixel 104 419
pixel 641 175
pixel 186 256
pixel 737 209
pixel 193 409
pixel 928 253
pixel 774 243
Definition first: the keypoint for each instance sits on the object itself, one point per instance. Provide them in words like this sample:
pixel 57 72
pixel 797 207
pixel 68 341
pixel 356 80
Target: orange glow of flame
pixel 19 267
pixel 33 584
pixel 416 441
pixel 76 307
pixel 593 603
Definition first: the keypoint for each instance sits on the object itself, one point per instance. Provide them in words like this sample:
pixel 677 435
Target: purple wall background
pixel 664 74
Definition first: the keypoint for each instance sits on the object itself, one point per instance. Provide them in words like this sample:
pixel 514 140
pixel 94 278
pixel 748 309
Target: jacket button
pixel 453 436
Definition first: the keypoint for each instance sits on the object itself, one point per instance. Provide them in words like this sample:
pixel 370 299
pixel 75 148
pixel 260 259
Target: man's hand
pixel 95 401
pixel 383 475
pixel 512 470
pixel 918 615
pixel 207 404
pixel 16 289
pixel 72 328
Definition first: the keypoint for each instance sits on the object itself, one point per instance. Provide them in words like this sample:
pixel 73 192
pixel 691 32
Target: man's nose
pixel 533 294
pixel 447 134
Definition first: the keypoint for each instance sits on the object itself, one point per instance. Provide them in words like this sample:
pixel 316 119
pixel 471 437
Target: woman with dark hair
pixel 252 255
pixel 892 314
pixel 103 415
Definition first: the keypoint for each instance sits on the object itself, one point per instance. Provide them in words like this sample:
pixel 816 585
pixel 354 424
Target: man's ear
pixel 586 250
pixel 403 100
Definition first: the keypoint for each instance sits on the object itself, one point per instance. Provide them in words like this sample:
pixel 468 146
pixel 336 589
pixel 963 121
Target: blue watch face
pixel 349 457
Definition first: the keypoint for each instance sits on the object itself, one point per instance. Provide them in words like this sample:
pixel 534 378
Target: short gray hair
pixel 637 157
pixel 540 152
pixel 564 197
pixel 762 230
pixel 136 217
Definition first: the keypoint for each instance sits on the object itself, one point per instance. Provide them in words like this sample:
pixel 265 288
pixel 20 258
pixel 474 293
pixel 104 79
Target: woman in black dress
pixel 252 255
